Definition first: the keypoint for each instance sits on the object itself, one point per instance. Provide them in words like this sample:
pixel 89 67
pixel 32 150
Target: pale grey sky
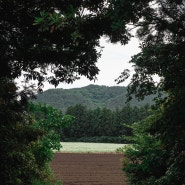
pixel 114 60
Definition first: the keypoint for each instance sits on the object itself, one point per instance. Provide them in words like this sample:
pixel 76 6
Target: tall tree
pixel 78 128
pixel 160 28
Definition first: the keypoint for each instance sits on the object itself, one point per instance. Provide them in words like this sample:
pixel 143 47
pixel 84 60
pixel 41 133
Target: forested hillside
pixel 92 96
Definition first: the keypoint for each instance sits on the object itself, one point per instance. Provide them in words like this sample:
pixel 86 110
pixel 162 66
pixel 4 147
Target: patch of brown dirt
pixel 89 169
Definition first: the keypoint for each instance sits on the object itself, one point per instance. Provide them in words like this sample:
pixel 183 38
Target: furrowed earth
pixel 89 168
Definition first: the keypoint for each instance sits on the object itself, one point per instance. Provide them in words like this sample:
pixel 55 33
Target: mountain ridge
pixel 92 96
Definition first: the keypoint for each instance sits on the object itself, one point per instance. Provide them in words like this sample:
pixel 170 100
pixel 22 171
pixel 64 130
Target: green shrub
pixel 27 141
pixel 144 160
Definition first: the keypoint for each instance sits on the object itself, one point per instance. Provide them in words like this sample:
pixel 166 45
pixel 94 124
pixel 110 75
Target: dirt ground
pixel 89 169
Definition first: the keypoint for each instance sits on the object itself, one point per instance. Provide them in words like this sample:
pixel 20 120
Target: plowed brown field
pixel 89 169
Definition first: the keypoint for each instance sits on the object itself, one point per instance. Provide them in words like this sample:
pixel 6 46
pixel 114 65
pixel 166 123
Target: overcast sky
pixel 113 61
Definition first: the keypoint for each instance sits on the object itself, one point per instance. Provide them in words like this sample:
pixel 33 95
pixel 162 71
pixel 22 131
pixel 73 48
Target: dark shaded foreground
pixel 89 169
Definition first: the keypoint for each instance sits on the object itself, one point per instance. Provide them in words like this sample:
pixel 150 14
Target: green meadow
pixel 81 147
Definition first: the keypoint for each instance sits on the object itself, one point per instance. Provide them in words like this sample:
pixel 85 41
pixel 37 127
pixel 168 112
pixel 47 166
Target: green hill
pixel 91 96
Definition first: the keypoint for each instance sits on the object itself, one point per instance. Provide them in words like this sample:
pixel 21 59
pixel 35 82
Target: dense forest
pixel 102 124
pixel 92 96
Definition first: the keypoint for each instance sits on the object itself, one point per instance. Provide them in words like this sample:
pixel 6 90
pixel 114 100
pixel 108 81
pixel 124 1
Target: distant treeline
pixel 102 124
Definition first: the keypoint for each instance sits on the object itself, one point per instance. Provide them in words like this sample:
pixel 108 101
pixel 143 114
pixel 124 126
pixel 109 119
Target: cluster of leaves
pixel 56 36
pixel 51 122
pixel 102 124
pixel 162 47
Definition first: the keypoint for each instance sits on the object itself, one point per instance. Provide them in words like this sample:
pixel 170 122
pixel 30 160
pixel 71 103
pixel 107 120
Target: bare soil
pixel 89 169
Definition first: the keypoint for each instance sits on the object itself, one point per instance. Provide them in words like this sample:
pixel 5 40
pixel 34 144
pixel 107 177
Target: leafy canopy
pixel 160 29
pixel 54 41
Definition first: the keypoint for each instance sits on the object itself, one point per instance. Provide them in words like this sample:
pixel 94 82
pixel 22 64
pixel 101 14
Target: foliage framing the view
pixel 27 141
pixel 68 51
pixel 59 37
pixel 158 156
